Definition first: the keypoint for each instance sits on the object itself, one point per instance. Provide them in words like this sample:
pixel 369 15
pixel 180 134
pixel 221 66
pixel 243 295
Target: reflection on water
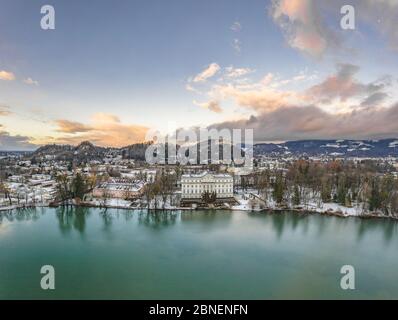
pixel 219 254
pixel 27 214
pixel 387 227
pixel 288 222
pixel 106 217
pixel 70 218
pixel 157 219
pixel 75 218
pixel 209 219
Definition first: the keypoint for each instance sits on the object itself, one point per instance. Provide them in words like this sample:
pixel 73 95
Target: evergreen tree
pixel 341 191
pixel 348 201
pixel 326 192
pixel 296 196
pixel 375 196
pixel 79 186
pixel 279 188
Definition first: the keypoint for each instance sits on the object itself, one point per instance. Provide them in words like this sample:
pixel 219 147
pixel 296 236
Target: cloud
pixel 211 105
pixel 313 26
pixel 340 85
pixel 10 142
pixel 382 15
pixel 340 91
pixel 339 105
pixel 7 76
pixel 302 76
pixel 374 99
pixel 30 81
pixel 104 130
pixel 67 126
pixel 236 26
pixel 237 45
pixel 343 85
pixel 355 109
pixel 267 79
pixel 4 111
pixel 258 96
pixel 303 26
pixel 311 122
pixel 232 72
pixel 207 73
pixel 189 87
pixel 105 117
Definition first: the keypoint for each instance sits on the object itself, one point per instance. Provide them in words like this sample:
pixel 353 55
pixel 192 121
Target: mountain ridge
pixel 313 147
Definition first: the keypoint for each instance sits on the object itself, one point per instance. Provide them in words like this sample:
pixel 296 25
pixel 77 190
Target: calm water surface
pixel 119 254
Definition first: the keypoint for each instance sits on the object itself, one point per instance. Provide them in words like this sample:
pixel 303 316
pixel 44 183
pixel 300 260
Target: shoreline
pixel 262 211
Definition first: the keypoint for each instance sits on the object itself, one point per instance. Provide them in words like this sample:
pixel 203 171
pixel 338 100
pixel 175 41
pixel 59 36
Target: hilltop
pixel 339 148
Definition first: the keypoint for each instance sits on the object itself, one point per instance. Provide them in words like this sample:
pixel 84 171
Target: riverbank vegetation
pixel 362 187
pixel 372 187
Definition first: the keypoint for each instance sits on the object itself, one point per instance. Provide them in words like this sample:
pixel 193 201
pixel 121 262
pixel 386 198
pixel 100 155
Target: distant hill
pixel 84 151
pixel 135 151
pixel 344 148
pixel 52 150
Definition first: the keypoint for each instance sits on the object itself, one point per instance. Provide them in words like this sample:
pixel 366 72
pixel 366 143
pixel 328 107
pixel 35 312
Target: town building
pixel 147 175
pixel 194 185
pixel 119 188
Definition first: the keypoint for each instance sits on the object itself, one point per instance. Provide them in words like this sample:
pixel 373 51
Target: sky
pixel 112 70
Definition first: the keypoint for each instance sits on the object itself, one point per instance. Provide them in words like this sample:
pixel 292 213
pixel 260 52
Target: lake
pixel 123 254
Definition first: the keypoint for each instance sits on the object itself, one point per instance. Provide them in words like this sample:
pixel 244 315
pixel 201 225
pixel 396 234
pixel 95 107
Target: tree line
pixel 74 187
pixel 368 184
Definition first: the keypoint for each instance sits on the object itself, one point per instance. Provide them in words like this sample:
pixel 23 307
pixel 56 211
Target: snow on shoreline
pixel 346 211
pixel 247 202
pixel 244 205
pixel 331 209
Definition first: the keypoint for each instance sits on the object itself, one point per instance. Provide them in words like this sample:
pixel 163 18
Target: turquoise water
pixel 119 254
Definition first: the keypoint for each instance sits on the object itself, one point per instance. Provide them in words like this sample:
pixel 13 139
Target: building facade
pixel 194 185
pixel 119 188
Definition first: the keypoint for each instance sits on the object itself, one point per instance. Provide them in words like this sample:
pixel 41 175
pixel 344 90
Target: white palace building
pixel 194 185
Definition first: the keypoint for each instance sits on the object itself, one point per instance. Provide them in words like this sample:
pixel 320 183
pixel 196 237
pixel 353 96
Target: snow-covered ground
pixel 249 200
pixel 111 202
pixel 252 201
pixel 244 205
pixel 121 203
pixel 337 208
